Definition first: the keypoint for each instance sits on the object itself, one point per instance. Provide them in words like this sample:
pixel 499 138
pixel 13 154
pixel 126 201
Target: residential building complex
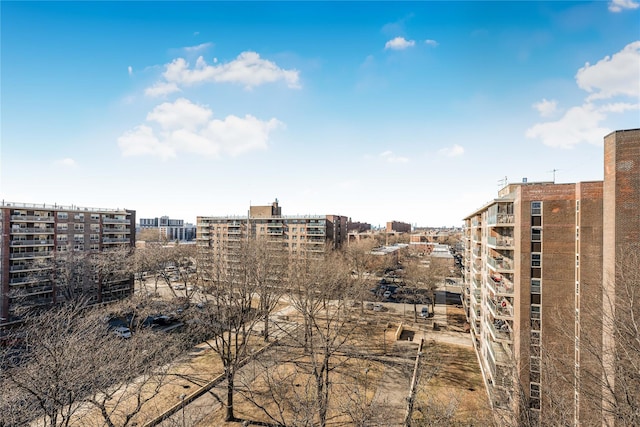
pixel 306 234
pixel 169 229
pixel 537 260
pixel 34 237
pixel 398 227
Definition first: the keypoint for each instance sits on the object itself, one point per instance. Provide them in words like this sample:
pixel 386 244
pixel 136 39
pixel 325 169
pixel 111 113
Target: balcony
pixel 32 230
pixel 502 219
pixel 115 240
pixel 115 221
pixel 500 263
pixel 23 255
pixel 502 309
pixel 22 280
pixel 38 242
pixel 32 218
pixel 499 330
pixel 27 267
pixel 502 242
pixel 476 299
pixel 499 284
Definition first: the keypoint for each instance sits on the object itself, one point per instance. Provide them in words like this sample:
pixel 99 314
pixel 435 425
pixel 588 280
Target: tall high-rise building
pixel 34 240
pixel 309 234
pixel 537 261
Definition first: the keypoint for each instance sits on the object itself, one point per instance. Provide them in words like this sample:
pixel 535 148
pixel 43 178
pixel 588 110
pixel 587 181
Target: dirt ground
pixel 374 379
pixel 451 380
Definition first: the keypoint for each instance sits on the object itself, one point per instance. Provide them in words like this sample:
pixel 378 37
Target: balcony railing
pixel 506 242
pixel 39 242
pixel 500 263
pixel 31 230
pixel 32 218
pixel 115 221
pixel 499 285
pixel 21 255
pixel 502 309
pixel 115 240
pixel 500 330
pixel 501 219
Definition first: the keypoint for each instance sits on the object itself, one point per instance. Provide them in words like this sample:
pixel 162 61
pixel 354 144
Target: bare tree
pixel 422 276
pixel 55 369
pixel 318 289
pixel 362 264
pixel 127 380
pixel 269 264
pixel 229 314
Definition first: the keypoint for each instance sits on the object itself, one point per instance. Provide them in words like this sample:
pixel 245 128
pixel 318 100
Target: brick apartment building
pixel 33 235
pixel 303 234
pixel 537 260
pixel 398 227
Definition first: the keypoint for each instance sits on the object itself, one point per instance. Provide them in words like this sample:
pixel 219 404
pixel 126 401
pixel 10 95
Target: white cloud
pixel 616 76
pixel 181 113
pixel 67 162
pixel 198 48
pixel 392 158
pixel 399 43
pixel 613 76
pixel 161 89
pixel 454 151
pixel 546 108
pixel 578 124
pixel 130 70
pixel 247 69
pixel 183 126
pixel 619 5
pixel 431 42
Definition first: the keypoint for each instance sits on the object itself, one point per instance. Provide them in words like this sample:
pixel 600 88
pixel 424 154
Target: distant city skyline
pixel 379 111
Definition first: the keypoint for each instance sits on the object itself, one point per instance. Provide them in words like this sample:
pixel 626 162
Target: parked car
pixel 424 312
pixel 122 332
pixel 387 294
pixel 378 307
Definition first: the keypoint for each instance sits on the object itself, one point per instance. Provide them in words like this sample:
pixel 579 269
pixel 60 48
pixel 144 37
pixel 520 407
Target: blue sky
pixel 379 111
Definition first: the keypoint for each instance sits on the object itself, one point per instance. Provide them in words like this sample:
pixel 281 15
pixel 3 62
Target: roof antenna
pixel 553 171
pixel 502 182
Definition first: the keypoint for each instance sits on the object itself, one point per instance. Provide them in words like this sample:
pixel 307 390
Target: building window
pixel 536 285
pixel 577 205
pixel 95 217
pixel 79 216
pixel 62 226
pixel 536 208
pixel 536 234
pixel 536 260
pixel 63 215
